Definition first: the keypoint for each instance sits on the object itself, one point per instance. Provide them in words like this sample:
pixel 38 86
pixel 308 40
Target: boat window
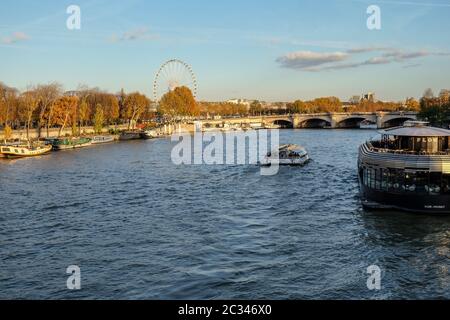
pixel 443 144
pixel 446 183
pixel 435 183
pixel 418 144
pixel 373 176
pixel 364 176
pixel 378 177
pixel 385 179
pixel 370 178
pixel 421 180
pixel 397 179
pixel 409 182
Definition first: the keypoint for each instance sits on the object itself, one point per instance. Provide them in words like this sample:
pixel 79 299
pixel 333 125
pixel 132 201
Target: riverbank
pixel 21 134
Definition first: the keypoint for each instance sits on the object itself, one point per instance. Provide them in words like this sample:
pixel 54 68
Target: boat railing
pixel 405 152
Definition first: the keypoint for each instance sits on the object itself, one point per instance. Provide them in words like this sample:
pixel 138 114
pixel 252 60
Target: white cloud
pixel 410 66
pixel 367 49
pixel 136 34
pixel 305 60
pixel 320 61
pixel 400 56
pixel 15 37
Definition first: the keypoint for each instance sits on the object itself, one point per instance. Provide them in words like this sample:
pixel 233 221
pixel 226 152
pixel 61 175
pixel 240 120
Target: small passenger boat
pixel 286 155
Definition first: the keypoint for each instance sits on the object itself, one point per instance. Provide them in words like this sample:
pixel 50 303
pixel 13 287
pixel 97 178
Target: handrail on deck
pixel 417 153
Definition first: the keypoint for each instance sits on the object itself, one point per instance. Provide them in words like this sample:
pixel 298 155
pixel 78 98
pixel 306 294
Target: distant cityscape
pixel 353 101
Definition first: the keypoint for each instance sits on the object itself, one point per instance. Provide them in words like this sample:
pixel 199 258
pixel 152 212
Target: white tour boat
pixel 286 155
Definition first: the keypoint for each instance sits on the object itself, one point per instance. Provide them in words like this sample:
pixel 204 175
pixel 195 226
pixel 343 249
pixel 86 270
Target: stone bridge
pixel 322 120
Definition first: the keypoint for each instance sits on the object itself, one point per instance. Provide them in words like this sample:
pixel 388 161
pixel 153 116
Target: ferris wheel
pixel 173 74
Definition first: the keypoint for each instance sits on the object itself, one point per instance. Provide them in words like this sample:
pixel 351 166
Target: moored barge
pixel 24 151
pixel 70 143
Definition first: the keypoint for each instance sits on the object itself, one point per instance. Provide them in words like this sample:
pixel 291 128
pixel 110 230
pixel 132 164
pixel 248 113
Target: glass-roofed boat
pixel 407 169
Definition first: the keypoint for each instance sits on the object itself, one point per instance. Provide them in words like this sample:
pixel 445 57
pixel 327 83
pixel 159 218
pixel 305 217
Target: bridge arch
pixel 314 123
pixel 283 123
pixel 352 122
pixel 396 121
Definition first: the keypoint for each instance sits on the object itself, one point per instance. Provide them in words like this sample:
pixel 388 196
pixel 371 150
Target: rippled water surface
pixel 140 227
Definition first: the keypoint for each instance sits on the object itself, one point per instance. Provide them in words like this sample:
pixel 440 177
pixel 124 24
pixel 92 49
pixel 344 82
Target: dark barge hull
pixel 382 200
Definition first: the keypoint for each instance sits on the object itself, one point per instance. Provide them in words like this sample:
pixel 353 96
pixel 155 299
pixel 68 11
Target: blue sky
pixel 268 50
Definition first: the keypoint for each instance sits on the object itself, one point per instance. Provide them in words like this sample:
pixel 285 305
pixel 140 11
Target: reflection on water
pixel 140 227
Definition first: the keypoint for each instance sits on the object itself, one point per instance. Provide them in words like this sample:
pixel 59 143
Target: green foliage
pixel 435 110
pixel 114 131
pixel 256 108
pixel 99 119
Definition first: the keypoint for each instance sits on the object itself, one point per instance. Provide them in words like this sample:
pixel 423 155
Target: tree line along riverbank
pixel 45 107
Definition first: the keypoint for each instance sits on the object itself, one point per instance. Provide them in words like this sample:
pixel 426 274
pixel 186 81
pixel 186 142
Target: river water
pixel 140 227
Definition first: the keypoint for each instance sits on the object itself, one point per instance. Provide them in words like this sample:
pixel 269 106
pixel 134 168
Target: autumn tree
pixel 435 109
pixel 98 119
pixel 179 102
pixel 29 102
pixel 134 106
pixel 64 110
pixel 297 106
pixel 256 108
pixel 9 103
pixel 94 97
pixel 3 106
pixel 112 111
pixel 7 133
pixel 121 101
pixel 412 104
pixel 221 108
pixel 83 113
pixel 47 95
pixel 327 104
